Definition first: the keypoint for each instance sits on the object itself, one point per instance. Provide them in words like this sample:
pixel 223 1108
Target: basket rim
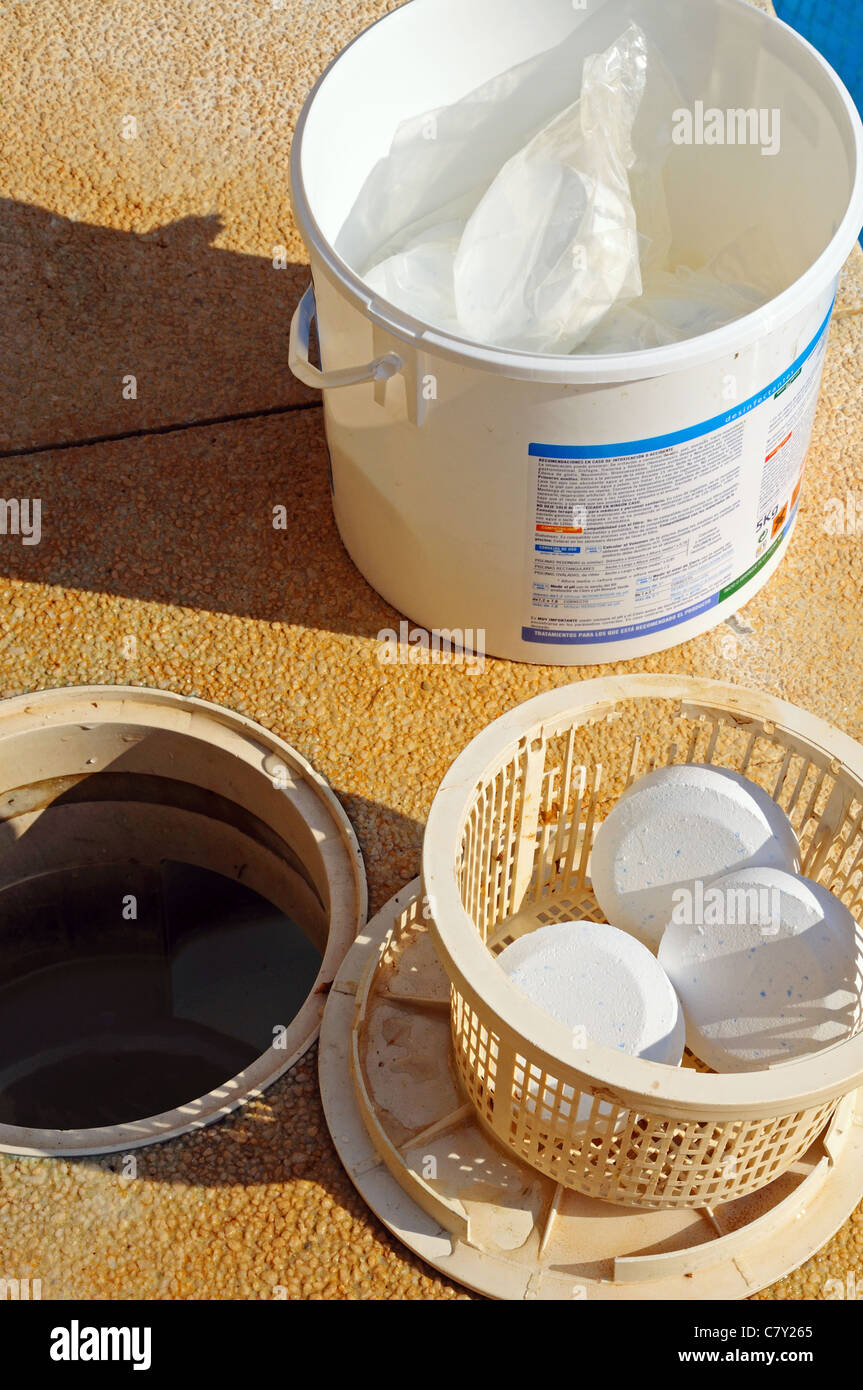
pixel 791 1086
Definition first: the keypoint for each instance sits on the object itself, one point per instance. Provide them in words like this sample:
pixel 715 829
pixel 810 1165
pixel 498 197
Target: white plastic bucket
pixel 461 473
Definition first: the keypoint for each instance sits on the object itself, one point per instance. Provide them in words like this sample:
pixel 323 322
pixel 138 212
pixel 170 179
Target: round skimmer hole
pixel 177 890
pixel 142 987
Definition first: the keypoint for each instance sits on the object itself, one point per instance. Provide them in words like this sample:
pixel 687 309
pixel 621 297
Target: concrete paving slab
pixel 169 540
pixel 158 564
pixel 143 201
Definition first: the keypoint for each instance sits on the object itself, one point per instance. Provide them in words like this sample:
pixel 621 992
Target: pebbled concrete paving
pixel 153 256
pixel 143 198
pixel 279 625
pixel 145 225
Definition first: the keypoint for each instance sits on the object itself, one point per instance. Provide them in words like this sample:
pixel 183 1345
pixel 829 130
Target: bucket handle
pixel 298 355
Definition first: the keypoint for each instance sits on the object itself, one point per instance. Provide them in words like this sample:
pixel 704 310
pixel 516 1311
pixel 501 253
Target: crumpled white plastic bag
pixel 441 161
pixel 553 243
pixel 685 303
pixel 675 305
pixel 565 245
pixel 420 278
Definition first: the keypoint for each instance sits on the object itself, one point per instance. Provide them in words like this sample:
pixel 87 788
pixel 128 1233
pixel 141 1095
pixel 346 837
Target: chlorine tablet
pixel 770 972
pixel 676 828
pixel 602 984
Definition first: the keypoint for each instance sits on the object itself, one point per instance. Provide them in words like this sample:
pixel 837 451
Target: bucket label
pixel 629 539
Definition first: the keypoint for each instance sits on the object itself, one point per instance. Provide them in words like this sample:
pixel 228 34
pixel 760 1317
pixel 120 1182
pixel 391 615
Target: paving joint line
pixel 158 429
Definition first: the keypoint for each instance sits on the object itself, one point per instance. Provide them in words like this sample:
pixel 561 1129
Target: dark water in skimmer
pixel 105 1020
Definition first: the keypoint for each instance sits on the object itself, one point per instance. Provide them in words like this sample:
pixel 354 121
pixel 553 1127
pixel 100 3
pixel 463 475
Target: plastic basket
pixel 507 849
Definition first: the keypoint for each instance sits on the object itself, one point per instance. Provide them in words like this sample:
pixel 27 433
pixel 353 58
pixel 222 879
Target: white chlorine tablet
pixel 675 829
pixel 769 973
pixel 605 986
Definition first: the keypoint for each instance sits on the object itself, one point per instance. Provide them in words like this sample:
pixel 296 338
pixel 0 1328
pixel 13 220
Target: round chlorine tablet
pixel 606 987
pixel 678 828
pixel 770 972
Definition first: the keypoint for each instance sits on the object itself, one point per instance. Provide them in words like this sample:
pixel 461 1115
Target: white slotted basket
pixel 507 849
